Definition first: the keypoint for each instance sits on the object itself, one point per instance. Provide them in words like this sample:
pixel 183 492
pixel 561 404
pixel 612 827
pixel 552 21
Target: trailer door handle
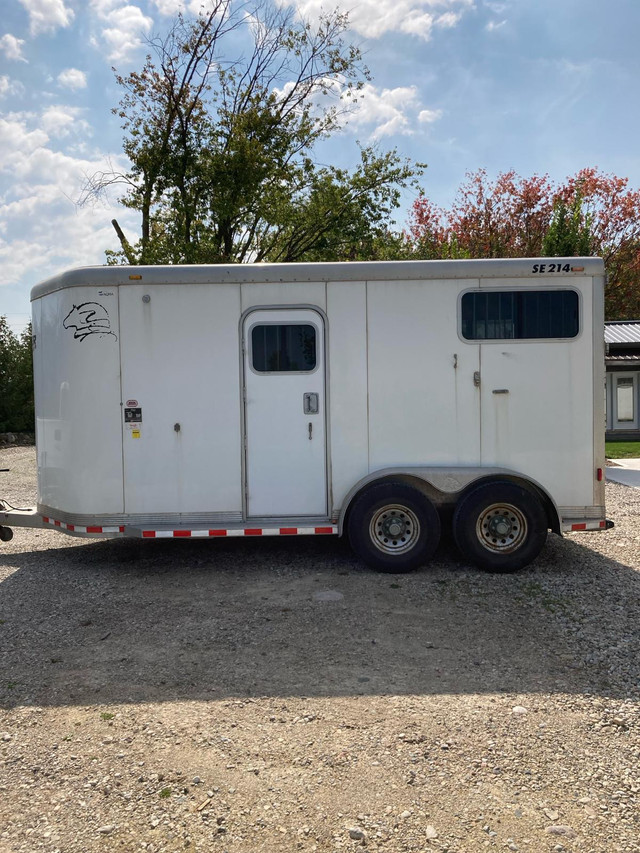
pixel 311 403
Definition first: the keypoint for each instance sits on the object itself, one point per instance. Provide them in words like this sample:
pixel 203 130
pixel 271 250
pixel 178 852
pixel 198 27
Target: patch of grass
pixel 622 449
pixel 165 793
pixel 533 590
pixel 106 716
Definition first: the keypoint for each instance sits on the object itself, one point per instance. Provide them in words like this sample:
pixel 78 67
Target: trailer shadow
pixel 162 621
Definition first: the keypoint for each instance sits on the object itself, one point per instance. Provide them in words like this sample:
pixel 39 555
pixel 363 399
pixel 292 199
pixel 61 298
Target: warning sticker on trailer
pixel 133 420
pixel 133 415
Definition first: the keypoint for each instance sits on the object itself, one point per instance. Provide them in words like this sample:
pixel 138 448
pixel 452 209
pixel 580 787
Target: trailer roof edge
pixel 111 276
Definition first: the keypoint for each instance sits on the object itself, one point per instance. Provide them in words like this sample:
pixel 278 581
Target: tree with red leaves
pixel 528 217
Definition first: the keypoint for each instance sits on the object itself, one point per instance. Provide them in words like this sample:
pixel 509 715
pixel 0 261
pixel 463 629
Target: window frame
pixel 634 423
pixel 258 323
pixel 538 288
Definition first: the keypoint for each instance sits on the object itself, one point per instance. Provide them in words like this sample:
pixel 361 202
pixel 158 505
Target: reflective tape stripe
pixel 181 533
pixel 577 526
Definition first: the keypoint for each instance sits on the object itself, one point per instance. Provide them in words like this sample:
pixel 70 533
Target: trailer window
pixel 519 314
pixel 283 348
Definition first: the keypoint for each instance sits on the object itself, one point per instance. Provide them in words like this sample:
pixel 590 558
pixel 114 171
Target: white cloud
pixel 172 7
pixel 448 20
pixel 429 116
pixel 124 28
pixel 72 78
pixel 373 18
pixel 10 87
pixel 12 47
pixel 47 15
pixel 41 229
pixel 17 141
pixel 168 7
pixel 493 26
pixel 60 121
pixel 388 111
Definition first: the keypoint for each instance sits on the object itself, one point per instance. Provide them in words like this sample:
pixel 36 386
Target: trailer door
pixel 285 413
pixel 537 385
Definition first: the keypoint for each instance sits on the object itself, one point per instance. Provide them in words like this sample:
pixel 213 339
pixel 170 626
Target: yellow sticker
pixel 135 433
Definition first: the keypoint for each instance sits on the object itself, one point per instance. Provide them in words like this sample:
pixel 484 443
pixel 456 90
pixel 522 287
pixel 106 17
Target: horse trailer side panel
pixel 348 385
pixel 272 294
pixel 424 407
pixel 182 399
pixel 77 390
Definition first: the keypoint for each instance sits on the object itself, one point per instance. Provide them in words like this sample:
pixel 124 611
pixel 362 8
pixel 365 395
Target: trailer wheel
pixel 6 534
pixel 500 526
pixel 394 527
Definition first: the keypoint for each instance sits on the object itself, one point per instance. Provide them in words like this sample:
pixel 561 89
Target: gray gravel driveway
pixel 273 695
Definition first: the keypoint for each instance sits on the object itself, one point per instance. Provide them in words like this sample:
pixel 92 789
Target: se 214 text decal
pixel 548 268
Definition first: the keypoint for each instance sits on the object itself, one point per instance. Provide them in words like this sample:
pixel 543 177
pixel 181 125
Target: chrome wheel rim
pixel 394 529
pixel 501 528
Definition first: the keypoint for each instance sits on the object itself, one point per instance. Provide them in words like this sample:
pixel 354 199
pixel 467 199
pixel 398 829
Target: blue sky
pixel 540 86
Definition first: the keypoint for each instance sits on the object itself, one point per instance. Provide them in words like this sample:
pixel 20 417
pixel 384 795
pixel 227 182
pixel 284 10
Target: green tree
pixel 569 232
pixel 223 150
pixel 16 380
pixel 589 214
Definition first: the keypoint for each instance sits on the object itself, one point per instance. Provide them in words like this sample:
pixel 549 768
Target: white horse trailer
pixel 372 399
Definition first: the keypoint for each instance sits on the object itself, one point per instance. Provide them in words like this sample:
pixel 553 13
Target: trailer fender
pixel 447 484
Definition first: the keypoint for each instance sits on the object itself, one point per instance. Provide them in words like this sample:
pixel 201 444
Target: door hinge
pixel 476 378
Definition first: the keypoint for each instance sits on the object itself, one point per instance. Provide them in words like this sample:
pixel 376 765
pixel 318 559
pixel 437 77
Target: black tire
pixel 500 526
pixel 393 527
pixel 6 534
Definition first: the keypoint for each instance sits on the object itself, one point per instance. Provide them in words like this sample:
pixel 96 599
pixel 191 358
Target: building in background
pixel 623 379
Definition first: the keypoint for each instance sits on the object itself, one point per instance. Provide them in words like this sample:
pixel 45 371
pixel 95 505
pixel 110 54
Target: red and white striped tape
pixel 181 533
pixel 246 531
pixel 587 525
pixel 75 528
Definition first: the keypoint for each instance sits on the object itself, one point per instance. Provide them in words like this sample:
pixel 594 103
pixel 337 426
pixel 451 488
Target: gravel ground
pixel 249 696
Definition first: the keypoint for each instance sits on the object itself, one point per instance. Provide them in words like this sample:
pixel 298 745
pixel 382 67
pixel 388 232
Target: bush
pixel 16 380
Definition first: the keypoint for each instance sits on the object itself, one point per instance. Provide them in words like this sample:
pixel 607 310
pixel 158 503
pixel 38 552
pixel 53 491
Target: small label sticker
pixel 133 416
pixel 131 404
pixel 135 433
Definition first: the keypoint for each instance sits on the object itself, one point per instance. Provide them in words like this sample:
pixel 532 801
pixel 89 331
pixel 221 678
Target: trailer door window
pixel 283 348
pixel 519 315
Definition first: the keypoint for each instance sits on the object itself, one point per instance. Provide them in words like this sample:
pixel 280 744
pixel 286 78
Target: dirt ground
pixel 274 695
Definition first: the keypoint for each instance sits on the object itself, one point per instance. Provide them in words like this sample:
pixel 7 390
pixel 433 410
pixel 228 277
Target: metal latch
pixel 311 403
pixel 476 378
